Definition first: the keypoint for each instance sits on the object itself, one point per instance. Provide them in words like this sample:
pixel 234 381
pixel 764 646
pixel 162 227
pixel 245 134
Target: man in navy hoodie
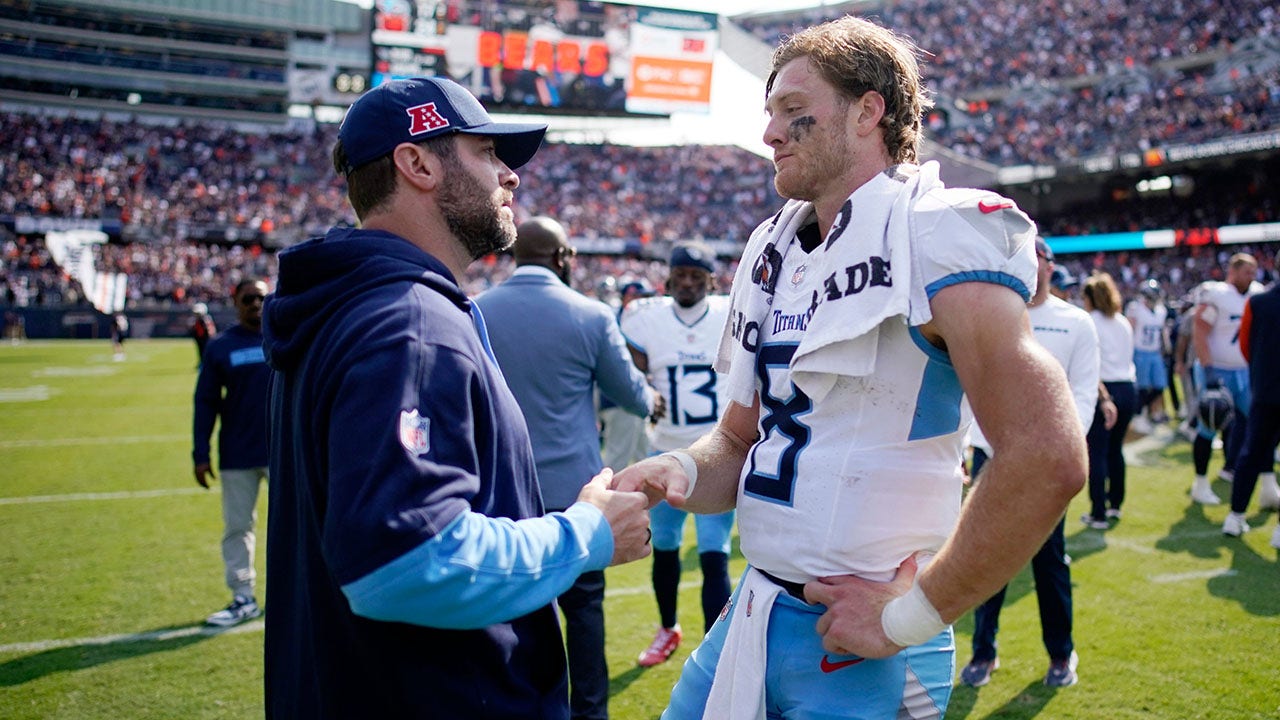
pixel 413 570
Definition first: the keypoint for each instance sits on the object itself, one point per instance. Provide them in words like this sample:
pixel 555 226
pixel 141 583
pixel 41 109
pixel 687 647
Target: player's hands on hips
pixel 660 478
pixel 627 514
pixel 204 471
pixel 851 625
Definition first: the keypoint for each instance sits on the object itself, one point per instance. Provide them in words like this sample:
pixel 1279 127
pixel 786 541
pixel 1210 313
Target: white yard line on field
pixel 1197 575
pixel 66 442
pixel 122 495
pixel 152 636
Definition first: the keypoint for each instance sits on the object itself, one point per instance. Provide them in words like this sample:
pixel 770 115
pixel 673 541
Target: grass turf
pixel 109 554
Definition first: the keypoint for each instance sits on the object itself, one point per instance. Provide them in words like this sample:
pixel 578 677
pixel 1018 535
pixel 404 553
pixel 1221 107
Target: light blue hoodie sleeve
pixel 481 570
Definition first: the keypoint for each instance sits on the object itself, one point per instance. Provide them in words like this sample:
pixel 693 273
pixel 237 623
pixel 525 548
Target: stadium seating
pixel 1044 83
pixel 192 206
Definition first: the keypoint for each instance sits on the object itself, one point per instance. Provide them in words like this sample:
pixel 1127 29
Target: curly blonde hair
pixel 856 56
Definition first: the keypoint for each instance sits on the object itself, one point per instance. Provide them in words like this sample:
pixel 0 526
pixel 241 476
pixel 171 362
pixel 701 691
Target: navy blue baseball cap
pixel 1043 249
pixel 416 109
pixel 693 254
pixel 1062 280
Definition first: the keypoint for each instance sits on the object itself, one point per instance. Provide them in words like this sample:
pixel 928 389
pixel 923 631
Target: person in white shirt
pixel 1068 334
pixel 1106 447
pixel 624 437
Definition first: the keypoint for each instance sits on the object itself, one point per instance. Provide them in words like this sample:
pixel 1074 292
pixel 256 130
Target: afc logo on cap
pixel 425 118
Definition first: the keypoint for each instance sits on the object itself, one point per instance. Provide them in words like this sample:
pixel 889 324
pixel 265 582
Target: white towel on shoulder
pixel 751 295
pixel 865 262
pixel 737 691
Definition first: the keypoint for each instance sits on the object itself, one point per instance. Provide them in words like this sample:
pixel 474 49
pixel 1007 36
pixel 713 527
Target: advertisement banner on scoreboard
pixel 671 61
pixel 559 56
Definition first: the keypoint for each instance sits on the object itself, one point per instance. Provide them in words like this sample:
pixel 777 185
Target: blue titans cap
pixel 1062 280
pixel 693 254
pixel 416 109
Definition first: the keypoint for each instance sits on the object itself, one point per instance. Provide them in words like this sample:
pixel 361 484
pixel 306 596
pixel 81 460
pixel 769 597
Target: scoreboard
pixel 558 56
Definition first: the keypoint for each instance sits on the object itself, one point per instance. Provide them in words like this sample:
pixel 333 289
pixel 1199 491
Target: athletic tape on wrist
pixel 690 468
pixel 911 619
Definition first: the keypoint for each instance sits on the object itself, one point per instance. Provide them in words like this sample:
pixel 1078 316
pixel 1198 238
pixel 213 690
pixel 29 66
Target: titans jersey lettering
pixel 856 278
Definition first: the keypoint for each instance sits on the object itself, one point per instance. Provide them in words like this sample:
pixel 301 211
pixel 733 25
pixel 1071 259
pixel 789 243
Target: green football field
pixel 109 562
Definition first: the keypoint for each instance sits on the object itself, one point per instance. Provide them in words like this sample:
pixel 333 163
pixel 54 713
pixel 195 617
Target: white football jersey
pixel 1222 306
pixel 857 482
pixel 680 357
pixel 1148 325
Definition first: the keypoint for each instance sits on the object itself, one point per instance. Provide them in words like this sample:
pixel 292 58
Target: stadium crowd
pixel 1160 109
pixel 173 182
pixel 977 44
pixel 198 206
pixel 1077 78
pixel 184 273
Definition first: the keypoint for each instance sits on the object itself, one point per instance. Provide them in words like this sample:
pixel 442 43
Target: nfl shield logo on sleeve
pixel 415 432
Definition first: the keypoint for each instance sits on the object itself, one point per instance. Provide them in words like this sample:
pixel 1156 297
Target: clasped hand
pixel 660 478
pixel 627 515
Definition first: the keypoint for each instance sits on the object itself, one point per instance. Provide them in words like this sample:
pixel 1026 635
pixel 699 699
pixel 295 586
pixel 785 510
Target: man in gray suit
pixel 554 346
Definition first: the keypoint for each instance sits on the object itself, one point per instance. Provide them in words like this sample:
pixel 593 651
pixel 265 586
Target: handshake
pixel 625 501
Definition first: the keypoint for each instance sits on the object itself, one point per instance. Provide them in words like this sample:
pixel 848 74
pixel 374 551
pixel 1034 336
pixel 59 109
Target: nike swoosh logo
pixel 987 208
pixel 828 666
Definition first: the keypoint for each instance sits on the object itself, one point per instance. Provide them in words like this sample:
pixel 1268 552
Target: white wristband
pixel 690 468
pixel 911 619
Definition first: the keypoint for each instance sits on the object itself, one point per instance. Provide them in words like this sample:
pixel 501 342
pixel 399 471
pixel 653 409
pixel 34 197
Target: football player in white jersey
pixel 1216 338
pixel 1147 315
pixel 843 459
pixel 674 339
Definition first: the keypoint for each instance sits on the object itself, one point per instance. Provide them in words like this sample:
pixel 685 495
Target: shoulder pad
pixel 991 214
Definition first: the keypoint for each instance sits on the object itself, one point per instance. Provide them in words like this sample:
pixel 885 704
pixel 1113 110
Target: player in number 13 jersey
pixel 674 340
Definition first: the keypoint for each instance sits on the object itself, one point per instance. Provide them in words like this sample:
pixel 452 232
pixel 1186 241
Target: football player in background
pixel 1147 313
pixel 674 340
pixel 1215 337
pixel 624 438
